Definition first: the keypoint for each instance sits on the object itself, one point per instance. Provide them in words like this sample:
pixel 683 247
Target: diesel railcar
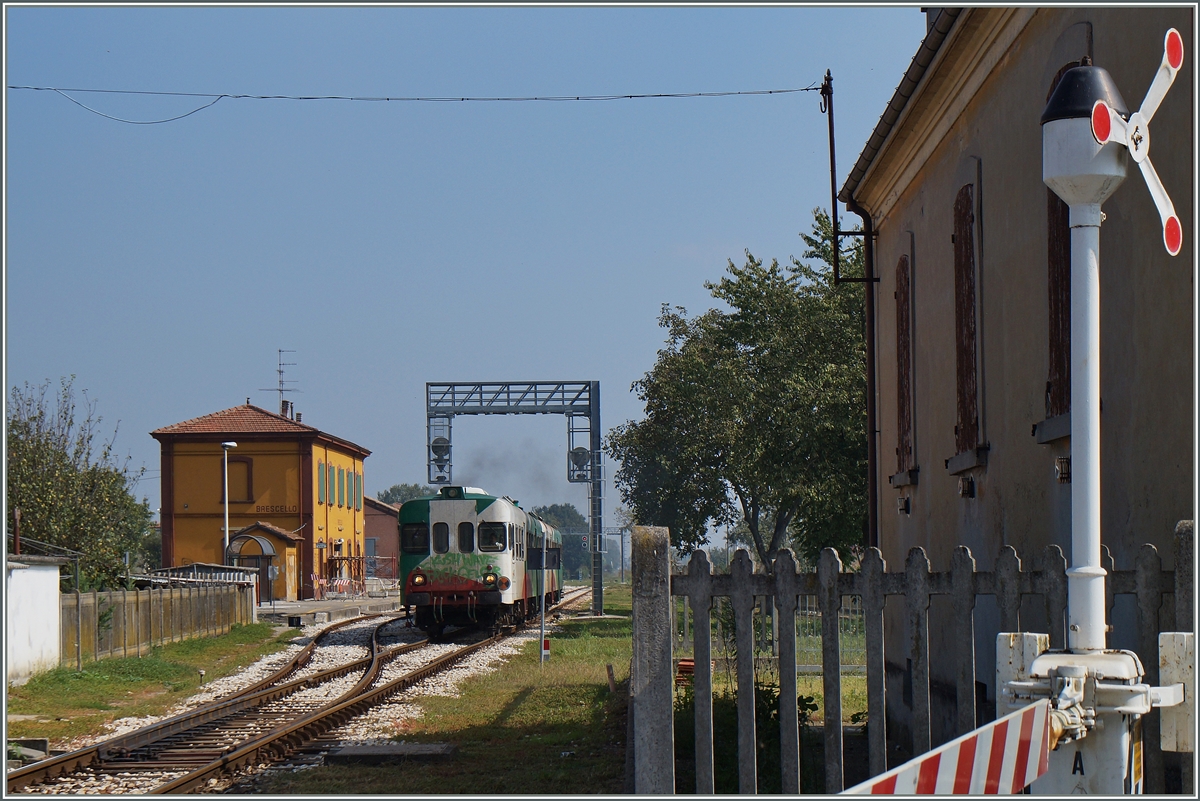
pixel 473 559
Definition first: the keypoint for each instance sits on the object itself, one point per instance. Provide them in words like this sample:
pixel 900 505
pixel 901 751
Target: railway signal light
pixel 1109 125
pixel 583 541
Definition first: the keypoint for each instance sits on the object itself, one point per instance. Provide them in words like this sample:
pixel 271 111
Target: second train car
pixel 473 559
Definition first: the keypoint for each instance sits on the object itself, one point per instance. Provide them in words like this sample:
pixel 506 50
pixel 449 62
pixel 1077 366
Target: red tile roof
pixel 389 508
pixel 247 419
pixel 276 530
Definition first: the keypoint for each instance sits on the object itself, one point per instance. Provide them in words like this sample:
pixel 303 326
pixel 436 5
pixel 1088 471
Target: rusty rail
pixel 258 693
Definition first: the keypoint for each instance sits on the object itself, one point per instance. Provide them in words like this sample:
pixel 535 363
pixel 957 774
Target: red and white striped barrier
pixel 1003 757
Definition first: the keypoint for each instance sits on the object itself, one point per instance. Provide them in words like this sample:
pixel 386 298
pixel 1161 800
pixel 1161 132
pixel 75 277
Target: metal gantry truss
pixel 579 401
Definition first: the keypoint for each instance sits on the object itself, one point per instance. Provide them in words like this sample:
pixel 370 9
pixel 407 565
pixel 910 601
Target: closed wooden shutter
pixel 1058 264
pixel 1058 280
pixel 966 432
pixel 904 427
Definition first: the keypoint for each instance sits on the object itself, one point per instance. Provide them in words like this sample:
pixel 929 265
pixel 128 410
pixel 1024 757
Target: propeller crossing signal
pixel 1134 134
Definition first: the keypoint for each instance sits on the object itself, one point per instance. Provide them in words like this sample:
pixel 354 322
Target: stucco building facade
pixel 972 308
pixel 296 498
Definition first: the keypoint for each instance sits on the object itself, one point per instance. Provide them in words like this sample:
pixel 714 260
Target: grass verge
pixel 64 703
pixel 527 728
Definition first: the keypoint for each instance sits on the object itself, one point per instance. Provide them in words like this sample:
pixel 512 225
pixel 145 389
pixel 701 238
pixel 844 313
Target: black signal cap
pixel 1078 90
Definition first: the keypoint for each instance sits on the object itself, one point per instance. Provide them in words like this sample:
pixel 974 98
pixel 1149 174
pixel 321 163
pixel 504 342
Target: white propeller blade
pixel 1172 230
pixel 1172 61
pixel 1108 125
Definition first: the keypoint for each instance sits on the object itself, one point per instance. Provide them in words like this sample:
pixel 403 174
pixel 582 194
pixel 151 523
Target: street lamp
pixel 225 446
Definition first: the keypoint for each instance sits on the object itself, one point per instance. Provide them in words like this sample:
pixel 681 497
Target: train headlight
pixel 504 583
pixel 418 579
pixel 489 578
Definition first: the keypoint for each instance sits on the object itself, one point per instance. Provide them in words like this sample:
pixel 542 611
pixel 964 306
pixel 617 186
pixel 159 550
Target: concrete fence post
pixel 651 679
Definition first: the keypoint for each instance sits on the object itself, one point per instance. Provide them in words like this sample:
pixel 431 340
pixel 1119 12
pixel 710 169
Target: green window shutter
pixel 358 491
pixel 330 482
pixel 320 482
pixel 341 487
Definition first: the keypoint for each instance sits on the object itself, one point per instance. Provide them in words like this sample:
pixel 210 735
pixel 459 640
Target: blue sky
pixel 391 244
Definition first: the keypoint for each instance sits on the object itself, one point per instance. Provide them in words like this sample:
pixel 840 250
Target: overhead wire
pixel 383 99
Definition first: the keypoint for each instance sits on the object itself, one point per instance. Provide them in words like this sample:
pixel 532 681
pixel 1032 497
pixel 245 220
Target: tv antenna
pixel 282 388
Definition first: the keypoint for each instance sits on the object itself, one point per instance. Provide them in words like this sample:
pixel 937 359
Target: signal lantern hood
pixel 1077 92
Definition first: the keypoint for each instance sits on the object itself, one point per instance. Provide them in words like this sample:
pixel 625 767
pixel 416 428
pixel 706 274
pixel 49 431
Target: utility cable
pixel 367 99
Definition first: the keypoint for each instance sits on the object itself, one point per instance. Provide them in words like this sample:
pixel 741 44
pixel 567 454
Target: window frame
pixel 406 532
pixel 439 535
pixel 490 527
pixel 249 462
pixel 470 537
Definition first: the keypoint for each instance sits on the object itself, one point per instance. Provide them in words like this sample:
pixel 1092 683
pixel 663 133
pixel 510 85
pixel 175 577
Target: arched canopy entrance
pixel 272 551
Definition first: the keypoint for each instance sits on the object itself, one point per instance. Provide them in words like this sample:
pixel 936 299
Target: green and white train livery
pixel 470 558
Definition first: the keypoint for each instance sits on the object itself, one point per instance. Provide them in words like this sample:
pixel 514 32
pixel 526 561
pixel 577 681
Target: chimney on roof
pixel 247 401
pixel 297 417
pixel 284 407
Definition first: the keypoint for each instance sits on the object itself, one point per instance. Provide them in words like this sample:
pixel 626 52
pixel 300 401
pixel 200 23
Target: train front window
pixel 414 538
pixel 466 538
pixel 492 536
pixel 441 537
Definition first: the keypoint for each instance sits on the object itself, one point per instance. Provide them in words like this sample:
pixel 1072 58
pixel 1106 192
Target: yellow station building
pixel 295 500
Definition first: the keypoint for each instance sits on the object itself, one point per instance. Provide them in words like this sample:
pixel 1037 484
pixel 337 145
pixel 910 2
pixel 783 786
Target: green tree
pixel 69 494
pixel 565 517
pixel 399 493
pixel 757 412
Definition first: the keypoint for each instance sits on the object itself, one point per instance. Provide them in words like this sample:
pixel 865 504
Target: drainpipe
pixel 872 424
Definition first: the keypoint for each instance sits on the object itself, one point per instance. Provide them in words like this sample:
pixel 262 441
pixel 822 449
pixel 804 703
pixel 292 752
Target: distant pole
pixel 17 530
pixel 542 584
pixel 622 556
pixel 596 502
pixel 225 446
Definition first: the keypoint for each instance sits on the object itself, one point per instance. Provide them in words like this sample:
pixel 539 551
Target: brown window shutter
pixel 1058 279
pixel 904 432
pixel 1058 381
pixel 967 430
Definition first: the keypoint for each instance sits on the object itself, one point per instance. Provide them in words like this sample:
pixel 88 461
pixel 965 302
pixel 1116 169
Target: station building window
pixel 320 482
pixel 241 479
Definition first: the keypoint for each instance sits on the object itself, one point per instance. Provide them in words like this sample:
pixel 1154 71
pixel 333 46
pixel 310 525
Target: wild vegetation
pixel 755 413
pixel 73 492
pixel 399 493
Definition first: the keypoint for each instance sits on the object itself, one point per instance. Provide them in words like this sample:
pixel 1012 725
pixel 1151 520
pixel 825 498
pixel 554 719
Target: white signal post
pixel 1096 696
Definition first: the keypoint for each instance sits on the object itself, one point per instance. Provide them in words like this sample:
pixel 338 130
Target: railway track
pixel 261 724
pixel 121 754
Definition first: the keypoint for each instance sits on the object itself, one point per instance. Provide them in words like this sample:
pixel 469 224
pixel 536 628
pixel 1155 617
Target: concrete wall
pixel 990 128
pixel 97 625
pixel 31 621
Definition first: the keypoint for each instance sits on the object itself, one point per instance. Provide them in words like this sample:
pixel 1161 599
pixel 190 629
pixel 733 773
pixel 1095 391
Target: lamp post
pixel 225 446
